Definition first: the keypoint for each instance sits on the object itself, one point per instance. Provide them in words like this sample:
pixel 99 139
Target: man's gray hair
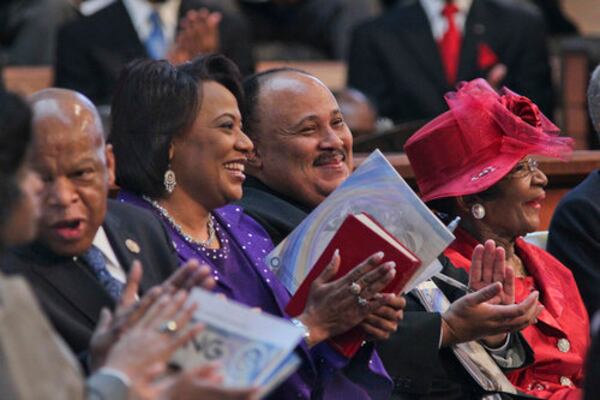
pixel 593 98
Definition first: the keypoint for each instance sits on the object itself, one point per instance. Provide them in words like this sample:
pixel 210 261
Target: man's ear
pixel 110 164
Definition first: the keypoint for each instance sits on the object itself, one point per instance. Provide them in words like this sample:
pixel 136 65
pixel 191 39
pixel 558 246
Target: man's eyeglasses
pixel 524 168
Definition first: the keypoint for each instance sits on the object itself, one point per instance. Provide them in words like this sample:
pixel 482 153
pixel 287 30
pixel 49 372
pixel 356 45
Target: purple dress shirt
pixel 239 270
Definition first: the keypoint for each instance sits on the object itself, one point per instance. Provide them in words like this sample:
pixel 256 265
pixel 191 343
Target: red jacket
pixel 560 338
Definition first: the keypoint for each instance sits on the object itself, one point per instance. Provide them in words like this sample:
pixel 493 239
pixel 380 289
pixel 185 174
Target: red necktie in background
pixel 450 43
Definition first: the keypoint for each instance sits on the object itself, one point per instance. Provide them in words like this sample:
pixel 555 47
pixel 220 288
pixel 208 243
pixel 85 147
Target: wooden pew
pixel 562 176
pixel 332 73
pixel 27 80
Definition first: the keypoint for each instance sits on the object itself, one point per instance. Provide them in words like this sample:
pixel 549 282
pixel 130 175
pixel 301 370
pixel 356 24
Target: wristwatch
pixel 301 325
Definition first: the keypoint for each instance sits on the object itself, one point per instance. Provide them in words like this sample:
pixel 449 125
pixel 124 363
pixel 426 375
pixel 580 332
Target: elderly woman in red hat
pixel 474 162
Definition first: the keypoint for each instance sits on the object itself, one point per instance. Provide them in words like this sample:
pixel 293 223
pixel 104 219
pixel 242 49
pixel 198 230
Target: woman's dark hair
pixel 447 206
pixel 155 102
pixel 15 135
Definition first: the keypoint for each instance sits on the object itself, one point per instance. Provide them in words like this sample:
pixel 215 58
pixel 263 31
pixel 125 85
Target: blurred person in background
pixel 29 29
pixel 92 50
pixel 574 235
pixel 408 58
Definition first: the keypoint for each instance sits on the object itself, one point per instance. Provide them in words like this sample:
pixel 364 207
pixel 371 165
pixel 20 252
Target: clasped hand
pixel 489 313
pixel 333 307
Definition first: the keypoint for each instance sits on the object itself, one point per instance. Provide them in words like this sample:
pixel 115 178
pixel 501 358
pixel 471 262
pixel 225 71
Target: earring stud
pixel 478 211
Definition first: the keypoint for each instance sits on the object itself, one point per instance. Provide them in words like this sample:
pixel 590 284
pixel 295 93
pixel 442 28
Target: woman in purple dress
pixel 181 153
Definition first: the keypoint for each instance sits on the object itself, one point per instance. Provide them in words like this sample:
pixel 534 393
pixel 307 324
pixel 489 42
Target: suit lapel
pixel 121 240
pixel 77 285
pixel 416 30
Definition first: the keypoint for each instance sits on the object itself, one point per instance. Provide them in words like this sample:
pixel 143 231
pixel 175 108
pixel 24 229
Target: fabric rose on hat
pixel 523 108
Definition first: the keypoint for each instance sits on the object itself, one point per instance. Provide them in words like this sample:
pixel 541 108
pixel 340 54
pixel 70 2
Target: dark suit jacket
pixel 69 292
pixel 411 355
pixel 575 237
pixel 395 60
pixel 92 51
pixel 592 369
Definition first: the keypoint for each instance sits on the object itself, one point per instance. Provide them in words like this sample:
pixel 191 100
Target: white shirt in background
pixel 437 21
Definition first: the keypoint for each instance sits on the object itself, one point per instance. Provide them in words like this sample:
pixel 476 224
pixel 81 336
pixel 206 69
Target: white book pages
pixel 248 345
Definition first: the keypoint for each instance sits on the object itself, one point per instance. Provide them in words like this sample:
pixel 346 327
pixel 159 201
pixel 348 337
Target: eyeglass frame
pixel 530 165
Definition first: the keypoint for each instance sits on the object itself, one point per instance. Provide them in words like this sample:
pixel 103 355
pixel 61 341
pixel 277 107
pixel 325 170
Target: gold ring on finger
pixel 169 327
pixel 355 288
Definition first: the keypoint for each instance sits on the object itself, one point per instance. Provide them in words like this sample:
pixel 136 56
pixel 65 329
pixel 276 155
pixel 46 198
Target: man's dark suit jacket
pixel 574 238
pixel 92 51
pixel 395 60
pixel 411 355
pixel 67 289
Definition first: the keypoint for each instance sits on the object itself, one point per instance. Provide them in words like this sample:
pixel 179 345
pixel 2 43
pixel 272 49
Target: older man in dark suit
pixel 86 244
pixel 407 59
pixel 92 51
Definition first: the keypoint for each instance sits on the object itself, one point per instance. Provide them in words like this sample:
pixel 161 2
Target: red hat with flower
pixel 479 140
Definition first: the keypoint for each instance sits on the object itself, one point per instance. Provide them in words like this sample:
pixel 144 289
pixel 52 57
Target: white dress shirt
pixel 437 21
pixel 112 263
pixel 140 10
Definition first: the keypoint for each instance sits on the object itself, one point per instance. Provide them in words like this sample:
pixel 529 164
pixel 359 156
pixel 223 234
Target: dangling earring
pixel 169 180
pixel 478 211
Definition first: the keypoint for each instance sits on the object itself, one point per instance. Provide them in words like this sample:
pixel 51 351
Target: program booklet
pixel 252 348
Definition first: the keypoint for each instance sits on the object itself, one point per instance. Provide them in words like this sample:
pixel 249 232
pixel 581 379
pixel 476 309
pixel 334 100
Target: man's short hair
pixel 593 97
pixel 252 85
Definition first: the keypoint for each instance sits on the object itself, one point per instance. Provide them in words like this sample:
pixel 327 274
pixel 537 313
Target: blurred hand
pixel 497 75
pixel 473 317
pixel 142 352
pixel 332 308
pixel 201 383
pixel 381 323
pixel 129 310
pixel 199 34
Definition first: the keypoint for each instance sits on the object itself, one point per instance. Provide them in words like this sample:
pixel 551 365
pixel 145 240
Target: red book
pixel 359 237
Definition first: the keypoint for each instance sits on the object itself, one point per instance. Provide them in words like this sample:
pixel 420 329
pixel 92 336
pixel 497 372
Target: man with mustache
pixel 302 152
pixel 86 243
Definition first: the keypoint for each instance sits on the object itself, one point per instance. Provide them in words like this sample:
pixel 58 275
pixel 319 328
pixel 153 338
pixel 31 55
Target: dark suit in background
pixel 575 237
pixel 92 51
pixel 395 59
pixel 411 356
pixel 67 289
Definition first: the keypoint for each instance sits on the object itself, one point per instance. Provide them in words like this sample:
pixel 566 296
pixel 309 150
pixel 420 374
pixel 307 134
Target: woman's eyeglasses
pixel 524 168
